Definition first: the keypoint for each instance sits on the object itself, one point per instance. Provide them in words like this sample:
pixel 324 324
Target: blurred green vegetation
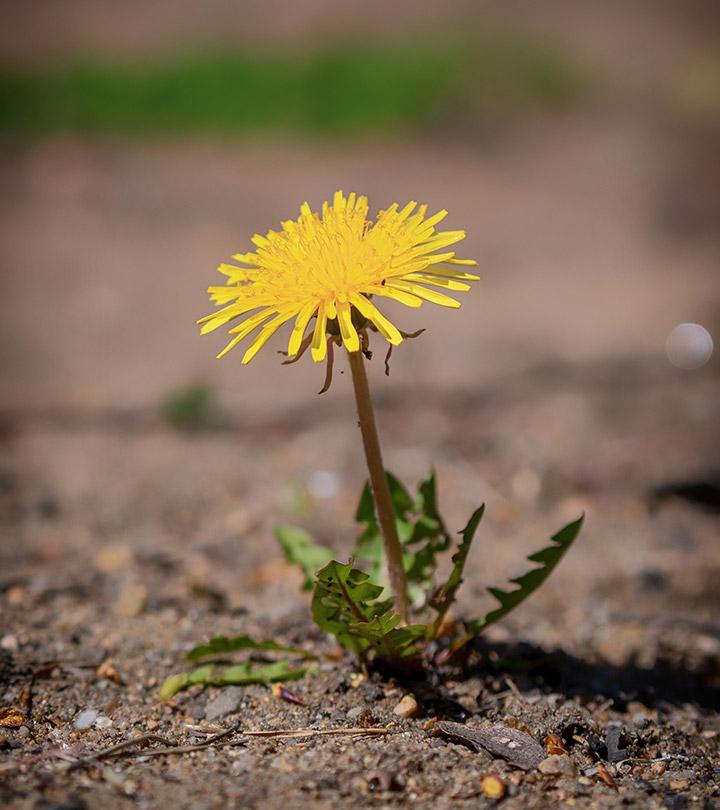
pixel 190 408
pixel 351 88
pixel 695 94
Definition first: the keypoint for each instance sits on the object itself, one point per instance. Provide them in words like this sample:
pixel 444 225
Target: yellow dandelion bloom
pixel 328 266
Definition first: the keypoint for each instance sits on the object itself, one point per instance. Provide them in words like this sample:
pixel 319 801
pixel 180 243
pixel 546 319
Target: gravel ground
pixel 124 542
pixel 124 545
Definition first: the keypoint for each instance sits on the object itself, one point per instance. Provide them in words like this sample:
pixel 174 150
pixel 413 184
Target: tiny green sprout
pixel 325 273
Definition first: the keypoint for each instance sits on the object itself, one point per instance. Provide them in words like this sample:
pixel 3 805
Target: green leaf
pixel 420 529
pixel 369 545
pixel 548 558
pixel 239 674
pixel 445 595
pixel 301 549
pixel 220 645
pixel 346 604
pixel 429 529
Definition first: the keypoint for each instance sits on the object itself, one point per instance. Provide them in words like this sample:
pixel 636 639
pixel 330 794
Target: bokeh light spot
pixel 689 346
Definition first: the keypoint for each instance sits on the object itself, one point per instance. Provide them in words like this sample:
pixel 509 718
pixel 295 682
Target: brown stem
pixel 379 484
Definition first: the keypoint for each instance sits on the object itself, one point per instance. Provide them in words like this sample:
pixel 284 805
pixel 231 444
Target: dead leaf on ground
pixel 107 672
pixel 285 694
pixel 26 697
pixel 554 744
pixel 605 776
pixel 517 747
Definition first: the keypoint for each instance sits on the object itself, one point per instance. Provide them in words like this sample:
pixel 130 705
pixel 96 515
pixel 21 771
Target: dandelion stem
pixel 379 484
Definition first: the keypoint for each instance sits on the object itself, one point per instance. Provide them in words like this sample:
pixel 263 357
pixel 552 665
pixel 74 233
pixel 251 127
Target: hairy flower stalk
pixel 326 273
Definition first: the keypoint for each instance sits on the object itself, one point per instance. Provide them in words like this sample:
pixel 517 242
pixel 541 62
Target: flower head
pixel 328 266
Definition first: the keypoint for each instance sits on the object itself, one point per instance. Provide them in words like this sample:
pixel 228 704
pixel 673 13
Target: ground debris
pixel 613 734
pixel 554 744
pixel 108 672
pixel 283 693
pixel 11 717
pixel 605 776
pixel 515 746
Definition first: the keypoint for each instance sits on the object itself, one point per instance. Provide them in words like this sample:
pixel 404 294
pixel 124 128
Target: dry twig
pixel 121 749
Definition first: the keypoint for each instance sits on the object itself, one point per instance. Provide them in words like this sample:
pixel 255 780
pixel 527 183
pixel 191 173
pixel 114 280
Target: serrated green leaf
pixel 528 583
pixel 346 604
pixel 429 529
pixel 301 549
pixel 420 528
pixel 239 674
pixel 220 645
pixel 369 545
pixel 445 595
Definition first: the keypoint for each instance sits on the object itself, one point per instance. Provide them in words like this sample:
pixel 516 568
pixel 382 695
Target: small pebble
pixel 103 722
pixel 23 731
pixel 493 786
pixel 355 712
pixel 227 702
pixel 9 643
pixel 85 719
pixel 558 764
pixel 407 707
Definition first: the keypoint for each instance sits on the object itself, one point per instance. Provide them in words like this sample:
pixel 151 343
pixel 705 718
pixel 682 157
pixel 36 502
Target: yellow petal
pixel 347 329
pixel 260 241
pixel 223 316
pixel 244 258
pixel 221 295
pixel 438 281
pixel 448 272
pixel 422 292
pixel 265 333
pixel 396 295
pixel 300 325
pixel 319 341
pixel 388 330
pixel 435 218
pixel 245 328
pixel 406 211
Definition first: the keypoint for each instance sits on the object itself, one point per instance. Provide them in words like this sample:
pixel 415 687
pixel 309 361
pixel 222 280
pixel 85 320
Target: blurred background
pixel 576 142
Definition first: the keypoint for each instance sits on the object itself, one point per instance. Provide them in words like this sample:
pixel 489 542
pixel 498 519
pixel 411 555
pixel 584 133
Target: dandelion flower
pixel 329 267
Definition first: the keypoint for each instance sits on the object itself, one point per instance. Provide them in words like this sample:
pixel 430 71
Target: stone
pixel 493 786
pixel 227 702
pixel 85 719
pixel 558 765
pixel 407 707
